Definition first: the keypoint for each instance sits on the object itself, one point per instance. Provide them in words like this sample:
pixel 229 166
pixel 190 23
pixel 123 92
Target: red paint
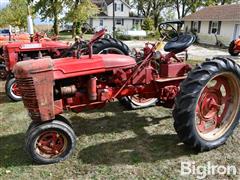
pixel 97 79
pixel 173 70
pixel 16 90
pixel 210 103
pixel 51 143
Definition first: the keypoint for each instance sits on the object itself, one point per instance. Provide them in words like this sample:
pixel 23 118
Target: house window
pixel 214 27
pixel 118 7
pixel 196 26
pixel 101 22
pixel 120 22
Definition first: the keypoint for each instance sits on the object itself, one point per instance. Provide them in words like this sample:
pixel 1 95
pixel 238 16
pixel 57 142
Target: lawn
pixel 113 143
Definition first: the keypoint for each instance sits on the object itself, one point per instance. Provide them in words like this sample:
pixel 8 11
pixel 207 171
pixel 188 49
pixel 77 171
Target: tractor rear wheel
pixel 12 90
pixel 110 46
pixel 137 102
pixel 207 109
pixel 50 142
pixel 231 49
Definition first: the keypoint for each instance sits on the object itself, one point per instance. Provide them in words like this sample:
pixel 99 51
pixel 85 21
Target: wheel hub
pixel 51 143
pixel 16 90
pixel 213 105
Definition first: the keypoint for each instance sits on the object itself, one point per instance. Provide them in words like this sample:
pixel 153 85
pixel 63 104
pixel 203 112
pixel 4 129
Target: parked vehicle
pixel 234 47
pixel 207 98
pixel 43 47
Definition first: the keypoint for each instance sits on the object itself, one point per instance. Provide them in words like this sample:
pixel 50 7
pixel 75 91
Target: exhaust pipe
pixel 92 89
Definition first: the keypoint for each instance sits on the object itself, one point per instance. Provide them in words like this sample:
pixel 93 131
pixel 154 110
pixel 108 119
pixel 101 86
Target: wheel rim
pixel 51 144
pixel 14 90
pixel 140 101
pixel 217 106
pixel 111 50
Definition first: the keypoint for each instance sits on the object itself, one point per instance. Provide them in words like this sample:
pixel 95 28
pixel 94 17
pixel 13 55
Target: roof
pixel 216 13
pixel 102 14
pixel 109 2
pixel 99 3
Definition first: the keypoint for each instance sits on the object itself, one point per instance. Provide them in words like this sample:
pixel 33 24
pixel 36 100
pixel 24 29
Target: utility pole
pixel 114 25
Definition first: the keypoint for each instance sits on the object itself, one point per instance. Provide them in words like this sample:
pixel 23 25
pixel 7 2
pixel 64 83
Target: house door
pixel 237 31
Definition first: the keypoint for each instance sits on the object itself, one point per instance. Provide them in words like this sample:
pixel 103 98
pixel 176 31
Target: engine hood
pixel 71 67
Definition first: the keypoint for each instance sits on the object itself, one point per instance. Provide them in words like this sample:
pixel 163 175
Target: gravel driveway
pixel 195 52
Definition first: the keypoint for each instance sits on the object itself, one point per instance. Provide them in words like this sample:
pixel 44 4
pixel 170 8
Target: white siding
pixel 226 34
pixel 125 12
pixel 108 24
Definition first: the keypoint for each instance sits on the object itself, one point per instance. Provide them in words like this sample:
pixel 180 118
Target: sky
pixel 4 3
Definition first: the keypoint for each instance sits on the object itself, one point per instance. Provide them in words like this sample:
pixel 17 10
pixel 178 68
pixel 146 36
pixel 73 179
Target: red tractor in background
pixel 43 47
pixel 5 38
pixel 234 47
pixel 207 98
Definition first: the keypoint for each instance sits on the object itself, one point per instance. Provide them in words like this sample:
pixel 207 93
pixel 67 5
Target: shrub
pixel 148 24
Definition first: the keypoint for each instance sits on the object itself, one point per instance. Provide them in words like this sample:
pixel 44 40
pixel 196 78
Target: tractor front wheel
pixel 12 90
pixel 50 142
pixel 207 109
pixel 231 49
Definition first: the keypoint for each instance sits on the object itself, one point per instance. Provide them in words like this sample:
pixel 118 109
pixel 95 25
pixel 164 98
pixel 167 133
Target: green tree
pixel 80 12
pixel 15 14
pixel 152 8
pixel 50 9
pixel 148 24
pixel 185 7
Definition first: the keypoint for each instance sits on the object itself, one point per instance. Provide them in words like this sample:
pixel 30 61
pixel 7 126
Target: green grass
pixel 113 143
pixel 68 37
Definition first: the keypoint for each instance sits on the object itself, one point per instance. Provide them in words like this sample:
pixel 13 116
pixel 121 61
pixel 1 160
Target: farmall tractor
pixel 207 98
pixel 234 47
pixel 44 47
pixel 5 39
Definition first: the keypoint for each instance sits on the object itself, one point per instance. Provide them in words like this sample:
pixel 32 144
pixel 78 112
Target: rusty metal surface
pixel 35 81
pixel 50 86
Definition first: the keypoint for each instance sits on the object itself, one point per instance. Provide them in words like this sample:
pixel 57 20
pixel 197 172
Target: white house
pixel 123 20
pixel 222 22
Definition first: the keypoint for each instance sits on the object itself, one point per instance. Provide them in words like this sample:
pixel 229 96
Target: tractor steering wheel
pixel 168 32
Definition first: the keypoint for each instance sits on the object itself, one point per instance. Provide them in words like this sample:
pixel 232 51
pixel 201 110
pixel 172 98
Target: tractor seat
pixel 177 45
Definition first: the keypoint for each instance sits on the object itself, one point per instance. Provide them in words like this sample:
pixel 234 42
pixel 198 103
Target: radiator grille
pixel 30 101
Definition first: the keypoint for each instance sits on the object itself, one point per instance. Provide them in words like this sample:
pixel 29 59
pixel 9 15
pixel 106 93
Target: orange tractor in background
pixel 234 47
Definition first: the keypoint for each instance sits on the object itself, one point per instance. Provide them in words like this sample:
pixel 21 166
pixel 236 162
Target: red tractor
pixel 5 39
pixel 44 47
pixel 234 47
pixel 207 98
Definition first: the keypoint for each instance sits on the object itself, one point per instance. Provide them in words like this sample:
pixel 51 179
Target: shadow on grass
pixel 12 151
pixel 142 148
pixel 135 150
pixel 3 98
pixel 121 121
